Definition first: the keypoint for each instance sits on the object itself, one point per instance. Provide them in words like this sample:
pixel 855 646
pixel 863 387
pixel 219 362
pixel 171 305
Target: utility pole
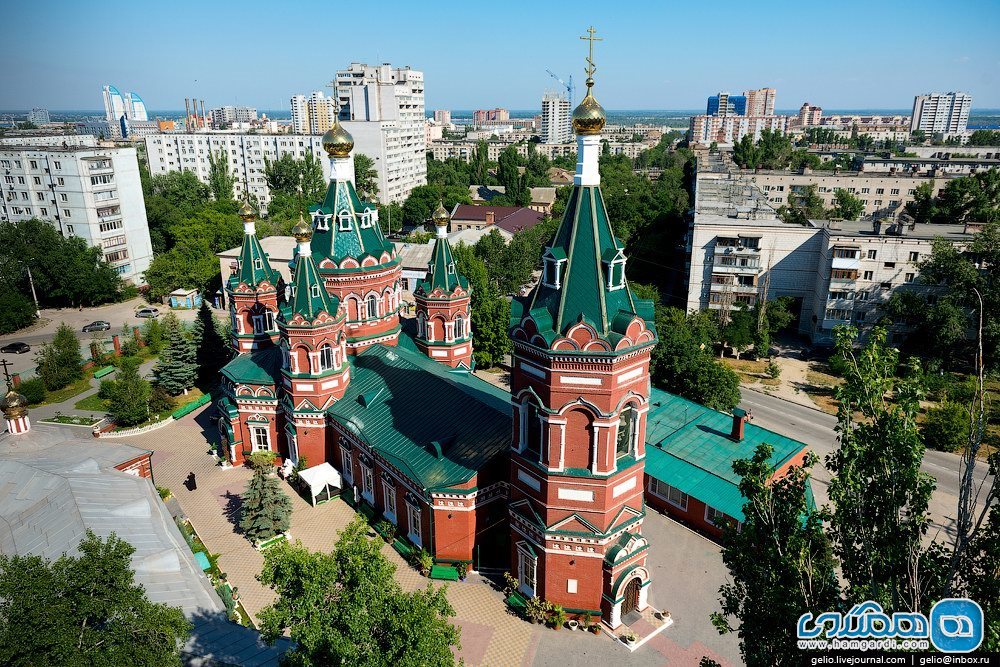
pixel 31 281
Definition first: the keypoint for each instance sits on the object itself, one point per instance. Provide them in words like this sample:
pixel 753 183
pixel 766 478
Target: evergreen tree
pixel 60 362
pixel 84 610
pixel 177 369
pixel 212 351
pixel 266 510
pixel 129 396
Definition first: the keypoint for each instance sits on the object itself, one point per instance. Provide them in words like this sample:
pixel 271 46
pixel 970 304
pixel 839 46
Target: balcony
pixel 735 289
pixel 846 263
pixel 749 268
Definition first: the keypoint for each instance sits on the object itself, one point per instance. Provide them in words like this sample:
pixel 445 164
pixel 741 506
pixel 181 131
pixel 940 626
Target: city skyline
pixel 659 62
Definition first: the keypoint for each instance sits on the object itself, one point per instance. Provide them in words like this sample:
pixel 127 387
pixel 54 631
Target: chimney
pixel 204 118
pixel 187 114
pixel 739 420
pixel 490 217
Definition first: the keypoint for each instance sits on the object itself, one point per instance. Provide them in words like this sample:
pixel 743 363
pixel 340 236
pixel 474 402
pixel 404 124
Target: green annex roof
pixel 408 411
pixel 260 367
pixel 441 271
pixel 309 295
pixel 585 240
pixel 254 265
pixel 688 447
pixel 358 240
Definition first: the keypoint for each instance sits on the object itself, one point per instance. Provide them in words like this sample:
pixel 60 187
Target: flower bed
pixel 72 420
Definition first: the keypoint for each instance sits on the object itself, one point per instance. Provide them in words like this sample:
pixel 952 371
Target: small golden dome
pixel 14 405
pixel 589 117
pixel 338 142
pixel 302 231
pixel 440 216
pixel 246 212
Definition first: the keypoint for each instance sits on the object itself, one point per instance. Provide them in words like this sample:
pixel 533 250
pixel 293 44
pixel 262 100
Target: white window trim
pixel 347 464
pixel 611 273
pixel 368 484
pixel 413 517
pixel 254 432
pixel 557 264
pixel 526 561
pixel 389 495
pixel 654 488
pixel 708 520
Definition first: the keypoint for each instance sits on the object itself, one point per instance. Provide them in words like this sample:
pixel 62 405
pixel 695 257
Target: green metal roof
pixel 260 367
pixel 254 266
pixel 358 241
pixel 585 239
pixel 408 408
pixel 441 271
pixel 309 295
pixel 688 447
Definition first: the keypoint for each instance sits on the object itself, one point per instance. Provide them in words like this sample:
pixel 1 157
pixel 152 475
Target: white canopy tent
pixel 322 480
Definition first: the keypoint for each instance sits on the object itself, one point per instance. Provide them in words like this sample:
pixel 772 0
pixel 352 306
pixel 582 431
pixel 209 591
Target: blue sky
pixel 655 55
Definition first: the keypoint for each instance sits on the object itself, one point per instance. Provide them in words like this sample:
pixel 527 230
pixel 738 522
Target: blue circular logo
pixel 956 625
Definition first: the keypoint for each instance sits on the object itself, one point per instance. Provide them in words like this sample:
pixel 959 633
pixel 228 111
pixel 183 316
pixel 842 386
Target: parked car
pixel 99 325
pixel 15 348
pixel 147 312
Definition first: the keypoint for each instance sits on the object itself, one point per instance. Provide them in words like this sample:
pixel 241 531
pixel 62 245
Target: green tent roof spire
pixel 309 295
pixel 254 265
pixel 349 227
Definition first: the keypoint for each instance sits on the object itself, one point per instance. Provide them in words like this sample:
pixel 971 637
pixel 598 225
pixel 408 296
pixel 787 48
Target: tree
pixel 946 428
pixel 780 561
pixel 60 362
pixel 16 311
pixel 424 199
pixel 152 335
pixel 922 208
pixel 490 316
pixel 984 138
pixel 84 610
pixel 771 317
pixel 296 177
pixel 846 205
pixel 266 511
pixel 937 330
pixel 130 396
pixel 177 369
pixel 803 206
pixel 365 177
pixel 345 607
pixel 212 352
pixel 879 494
pixel 220 180
pixel 738 332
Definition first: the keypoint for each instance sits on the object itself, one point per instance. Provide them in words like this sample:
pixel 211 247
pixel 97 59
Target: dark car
pixel 15 348
pixel 99 325
pixel 147 312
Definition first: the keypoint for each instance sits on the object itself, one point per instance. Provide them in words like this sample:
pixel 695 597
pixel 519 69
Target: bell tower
pixel 253 292
pixel 580 391
pixel 444 331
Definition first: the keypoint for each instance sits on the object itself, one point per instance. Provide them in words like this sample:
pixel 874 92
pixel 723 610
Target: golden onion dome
pixel 440 216
pixel 246 212
pixel 302 231
pixel 338 142
pixel 589 117
pixel 14 405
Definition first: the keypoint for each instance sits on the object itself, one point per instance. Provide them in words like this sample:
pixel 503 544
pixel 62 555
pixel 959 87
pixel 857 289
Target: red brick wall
pixel 588 572
pixel 141 465
pixel 454 533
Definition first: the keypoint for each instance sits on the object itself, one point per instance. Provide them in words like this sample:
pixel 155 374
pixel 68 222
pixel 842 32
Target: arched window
pixel 421 325
pixel 626 428
pixel 315 291
pixel 459 327
pixel 344 222
pixel 372 302
pixel 322 223
pixel 533 432
pixel 325 358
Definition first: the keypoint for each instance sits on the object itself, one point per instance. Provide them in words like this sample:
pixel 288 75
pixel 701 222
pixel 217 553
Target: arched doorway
pixel 631 597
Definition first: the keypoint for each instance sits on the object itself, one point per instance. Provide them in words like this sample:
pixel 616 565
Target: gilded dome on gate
pixel 246 211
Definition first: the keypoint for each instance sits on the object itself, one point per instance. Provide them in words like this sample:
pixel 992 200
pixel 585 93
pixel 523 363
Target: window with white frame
pixel 347 469
pixel 616 273
pixel 672 495
pixel 413 524
pixel 372 306
pixel 322 223
pixel 344 222
pixel 714 516
pixel 532 431
pixel 260 437
pixel 389 500
pixel 626 429
pixel 552 271
pixel 527 567
pixel 293 447
pixel 367 484
pixel 459 327
pixel 326 357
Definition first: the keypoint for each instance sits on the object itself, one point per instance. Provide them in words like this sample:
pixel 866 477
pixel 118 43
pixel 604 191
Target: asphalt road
pixel 816 429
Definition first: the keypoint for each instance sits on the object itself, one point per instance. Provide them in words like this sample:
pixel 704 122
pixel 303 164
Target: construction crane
pixel 568 86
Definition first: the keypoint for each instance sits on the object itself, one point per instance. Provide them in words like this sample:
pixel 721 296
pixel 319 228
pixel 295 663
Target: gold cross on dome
pixel 591 68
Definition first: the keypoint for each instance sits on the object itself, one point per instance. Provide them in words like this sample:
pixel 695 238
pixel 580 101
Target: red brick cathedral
pixel 545 481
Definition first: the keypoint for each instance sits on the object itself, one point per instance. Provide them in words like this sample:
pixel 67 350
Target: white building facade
pixel 383 108
pixel 556 119
pixel 941 113
pixel 84 190
pixel 246 154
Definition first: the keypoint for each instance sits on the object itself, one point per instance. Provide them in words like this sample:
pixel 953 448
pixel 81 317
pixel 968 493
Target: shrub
pixel 386 529
pixel 261 460
pixel 773 370
pixel 509 583
pixel 107 390
pixel 423 561
pixel 557 616
pixel 160 401
pixel 163 491
pixel 588 620
pixel 463 569
pixel 33 390
pixel 536 609
pixel 946 428
pixel 60 362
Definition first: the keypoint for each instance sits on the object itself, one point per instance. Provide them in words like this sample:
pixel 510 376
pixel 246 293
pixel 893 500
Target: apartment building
pixel 383 108
pixel 442 116
pixel 760 102
pixel 837 272
pixel 809 115
pixel 727 130
pixel 882 193
pixel 466 150
pixel 480 116
pixel 941 113
pixel 724 104
pixel 226 116
pixel 124 113
pixel 246 154
pixel 39 116
pixel 313 114
pixel 84 190
pixel 556 118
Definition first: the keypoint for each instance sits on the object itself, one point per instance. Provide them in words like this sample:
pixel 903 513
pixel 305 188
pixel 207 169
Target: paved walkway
pixel 68 407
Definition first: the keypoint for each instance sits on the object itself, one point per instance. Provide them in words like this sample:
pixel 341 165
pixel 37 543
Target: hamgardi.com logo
pixel 955 625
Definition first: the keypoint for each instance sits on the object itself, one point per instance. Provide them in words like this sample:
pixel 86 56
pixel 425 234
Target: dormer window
pixel 315 291
pixel 614 268
pixel 322 222
pixel 553 264
pixel 344 222
pixel 258 264
pixel 366 219
pixel 451 268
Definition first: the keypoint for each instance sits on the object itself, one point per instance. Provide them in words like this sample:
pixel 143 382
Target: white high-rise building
pixel 556 119
pixel 39 116
pixel 123 110
pixel 313 114
pixel 84 190
pixel 945 113
pixel 225 116
pixel 383 108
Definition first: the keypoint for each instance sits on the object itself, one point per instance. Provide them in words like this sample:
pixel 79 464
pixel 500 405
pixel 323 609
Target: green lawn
pixel 69 391
pixel 92 403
